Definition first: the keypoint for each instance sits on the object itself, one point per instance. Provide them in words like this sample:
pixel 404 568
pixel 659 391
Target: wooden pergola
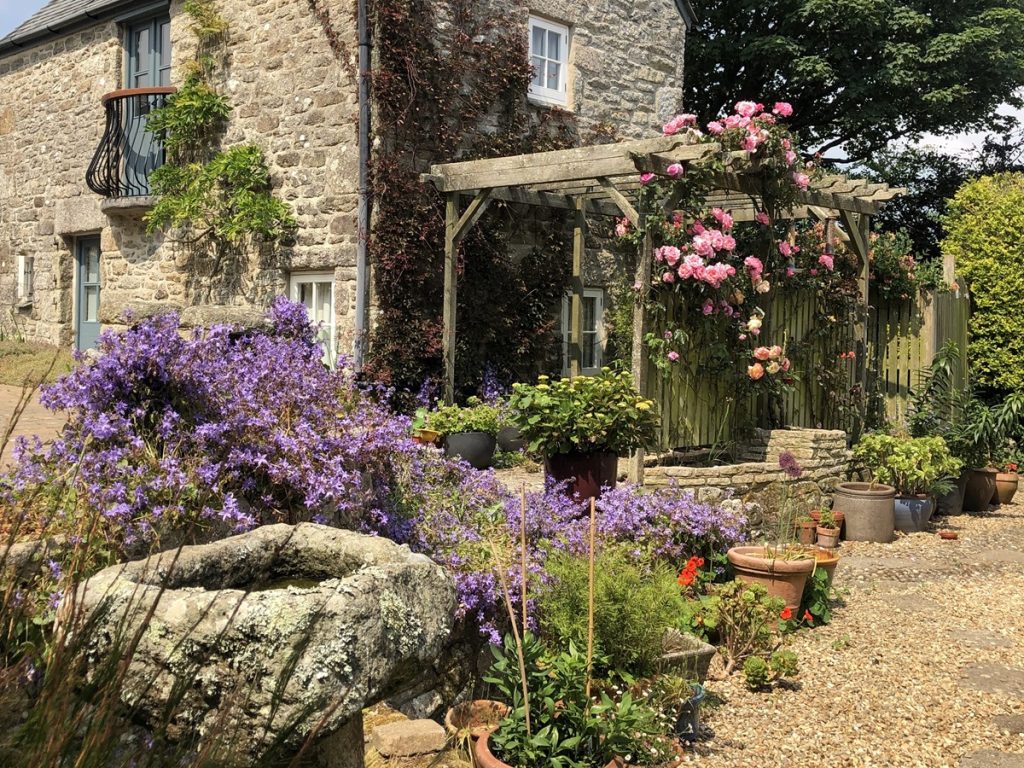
pixel 604 180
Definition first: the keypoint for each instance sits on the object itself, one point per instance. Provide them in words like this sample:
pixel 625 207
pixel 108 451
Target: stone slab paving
pixel 35 420
pixel 923 664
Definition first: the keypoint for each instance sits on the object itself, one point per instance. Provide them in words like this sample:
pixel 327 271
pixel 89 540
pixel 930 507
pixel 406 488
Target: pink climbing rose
pixel 677 123
pixel 762 218
pixel 762 353
pixel 746 108
pixel 675 170
pixel 646 178
pixel 716 128
pixel 826 261
pixel 673 356
pixel 783 109
pixel 801 180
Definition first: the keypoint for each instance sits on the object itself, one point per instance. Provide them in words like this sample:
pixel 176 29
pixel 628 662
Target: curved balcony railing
pixel 127 153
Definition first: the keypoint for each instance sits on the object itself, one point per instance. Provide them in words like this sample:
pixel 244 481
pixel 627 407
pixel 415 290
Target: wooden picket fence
pixel 699 407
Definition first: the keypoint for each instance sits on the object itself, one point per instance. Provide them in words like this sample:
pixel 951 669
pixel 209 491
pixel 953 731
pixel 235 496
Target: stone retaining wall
pixel 822 455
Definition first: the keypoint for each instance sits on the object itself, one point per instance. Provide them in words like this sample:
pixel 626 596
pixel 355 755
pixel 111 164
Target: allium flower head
pixel 789 465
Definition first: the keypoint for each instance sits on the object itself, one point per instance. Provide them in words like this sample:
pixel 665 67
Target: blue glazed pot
pixel 913 513
pixel 688 721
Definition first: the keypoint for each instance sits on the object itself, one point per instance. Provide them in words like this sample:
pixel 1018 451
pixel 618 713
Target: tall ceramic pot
pixel 980 488
pixel 869 510
pixel 1006 487
pixel 587 473
pixel 782 578
pixel 913 513
pixel 475 447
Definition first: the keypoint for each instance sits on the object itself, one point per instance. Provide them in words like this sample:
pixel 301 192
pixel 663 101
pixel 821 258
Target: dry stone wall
pixel 821 453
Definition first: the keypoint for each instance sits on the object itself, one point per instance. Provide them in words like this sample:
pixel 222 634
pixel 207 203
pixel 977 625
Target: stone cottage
pixel 78 78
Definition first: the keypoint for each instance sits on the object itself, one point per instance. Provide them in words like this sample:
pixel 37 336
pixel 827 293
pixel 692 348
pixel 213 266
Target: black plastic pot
pixel 475 447
pixel 511 440
pixel 587 472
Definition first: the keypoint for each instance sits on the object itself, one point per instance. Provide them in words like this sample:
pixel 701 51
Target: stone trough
pixel 270 640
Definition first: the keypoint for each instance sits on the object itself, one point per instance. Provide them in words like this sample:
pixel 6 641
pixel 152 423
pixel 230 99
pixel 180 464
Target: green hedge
pixel 985 233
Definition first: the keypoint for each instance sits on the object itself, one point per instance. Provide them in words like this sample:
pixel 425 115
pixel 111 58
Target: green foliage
pixel 817 598
pixel 985 234
pixel 567 729
pixel 913 465
pixel 633 606
pixel 859 73
pixel 474 417
pixel 761 673
pixel 586 414
pixel 893 265
pixel 189 120
pixel 207 24
pixel 747 619
pixel 981 433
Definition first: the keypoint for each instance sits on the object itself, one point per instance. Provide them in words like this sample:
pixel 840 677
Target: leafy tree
pixel 985 226
pixel 860 73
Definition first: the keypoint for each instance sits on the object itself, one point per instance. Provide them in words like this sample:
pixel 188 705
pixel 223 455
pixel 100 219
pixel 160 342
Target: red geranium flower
pixel 787 614
pixel 808 617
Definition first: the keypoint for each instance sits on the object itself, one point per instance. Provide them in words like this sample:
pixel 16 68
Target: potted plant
pixel 420 433
pixel 1007 478
pixel 469 432
pixel 582 425
pixel 475 717
pixel 805 529
pixel 978 437
pixel 918 467
pixel 828 530
pixel 781 565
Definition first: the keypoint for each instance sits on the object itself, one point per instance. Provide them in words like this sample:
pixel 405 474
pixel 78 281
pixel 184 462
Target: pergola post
pixel 858 227
pixel 642 285
pixel 579 237
pixel 451 258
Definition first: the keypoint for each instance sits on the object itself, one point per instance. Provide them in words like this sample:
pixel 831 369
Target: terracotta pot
pixel 587 472
pixel 484 758
pixel 805 532
pixel 478 717
pixel 825 560
pixel 782 578
pixel 869 510
pixel 475 447
pixel 840 518
pixel 980 488
pixel 1006 487
pixel 948 535
pixel 828 537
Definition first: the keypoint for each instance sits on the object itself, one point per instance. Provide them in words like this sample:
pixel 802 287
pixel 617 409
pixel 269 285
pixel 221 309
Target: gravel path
pixel 923 664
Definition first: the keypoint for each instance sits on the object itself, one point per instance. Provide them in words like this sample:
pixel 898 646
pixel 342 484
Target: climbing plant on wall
pixel 450 83
pixel 215 201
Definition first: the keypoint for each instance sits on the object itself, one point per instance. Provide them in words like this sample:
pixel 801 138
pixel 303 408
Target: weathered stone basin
pixel 279 635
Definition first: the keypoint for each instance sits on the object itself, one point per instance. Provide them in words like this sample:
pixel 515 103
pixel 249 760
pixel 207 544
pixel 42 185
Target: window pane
pixel 92 304
pixel 537 42
pixel 553 73
pixel 589 314
pixel 92 265
pixel 165 44
pixel 323 309
pixel 306 298
pixel 554 46
pixel 141 50
pixel 538 71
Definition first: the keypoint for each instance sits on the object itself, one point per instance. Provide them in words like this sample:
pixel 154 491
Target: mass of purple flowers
pixel 225 429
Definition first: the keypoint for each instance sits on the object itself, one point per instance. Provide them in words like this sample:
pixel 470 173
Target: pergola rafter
pixel 603 180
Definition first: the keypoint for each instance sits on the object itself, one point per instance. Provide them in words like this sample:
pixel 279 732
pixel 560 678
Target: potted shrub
pixel 582 425
pixel 828 531
pixel 1007 478
pixel 978 436
pixel 918 467
pixel 420 433
pixel 469 432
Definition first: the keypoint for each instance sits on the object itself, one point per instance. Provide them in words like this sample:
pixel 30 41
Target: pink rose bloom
pixel 704 244
pixel 762 218
pixel 716 128
pixel 697 228
pixel 755 371
pixel 756 332
pixel 783 109
pixel 677 123
pixel 669 277
pixel 722 218
pixel 762 353
pixel 785 364
pixel 746 108
pixel 775 352
pixel 728 243
pixel 787 144
pixel 753 264
pixel 813 272
pixel 673 356
pixel 708 307
pixel 670 254
pixel 685 271
pixel 677 220
pixel 826 261
pixel 646 178
pixel 790 157
pixel 790 271
pixel 675 170
pixel 735 121
pixel 801 180
pixel 785 248
pixel 743 337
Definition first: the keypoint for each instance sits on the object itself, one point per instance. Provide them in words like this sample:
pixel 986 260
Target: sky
pixel 14 12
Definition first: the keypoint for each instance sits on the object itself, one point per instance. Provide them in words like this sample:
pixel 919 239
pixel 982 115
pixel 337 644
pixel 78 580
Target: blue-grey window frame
pixel 156 66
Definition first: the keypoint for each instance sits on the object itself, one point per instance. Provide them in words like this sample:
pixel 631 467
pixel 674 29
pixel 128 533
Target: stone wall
pixel 821 453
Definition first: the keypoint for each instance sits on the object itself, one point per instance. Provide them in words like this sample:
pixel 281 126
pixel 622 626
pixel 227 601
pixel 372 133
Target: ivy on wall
pixel 450 83
pixel 216 201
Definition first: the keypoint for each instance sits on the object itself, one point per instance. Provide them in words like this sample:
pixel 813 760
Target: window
pixel 549 55
pixel 26 278
pixel 593 332
pixel 315 291
pixel 148 53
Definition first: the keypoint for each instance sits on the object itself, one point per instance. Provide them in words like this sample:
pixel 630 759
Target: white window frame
pixel 550 96
pixel 26 277
pixel 599 347
pixel 329 330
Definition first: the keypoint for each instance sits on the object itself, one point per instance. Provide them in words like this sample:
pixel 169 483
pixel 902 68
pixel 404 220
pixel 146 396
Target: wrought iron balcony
pixel 127 153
